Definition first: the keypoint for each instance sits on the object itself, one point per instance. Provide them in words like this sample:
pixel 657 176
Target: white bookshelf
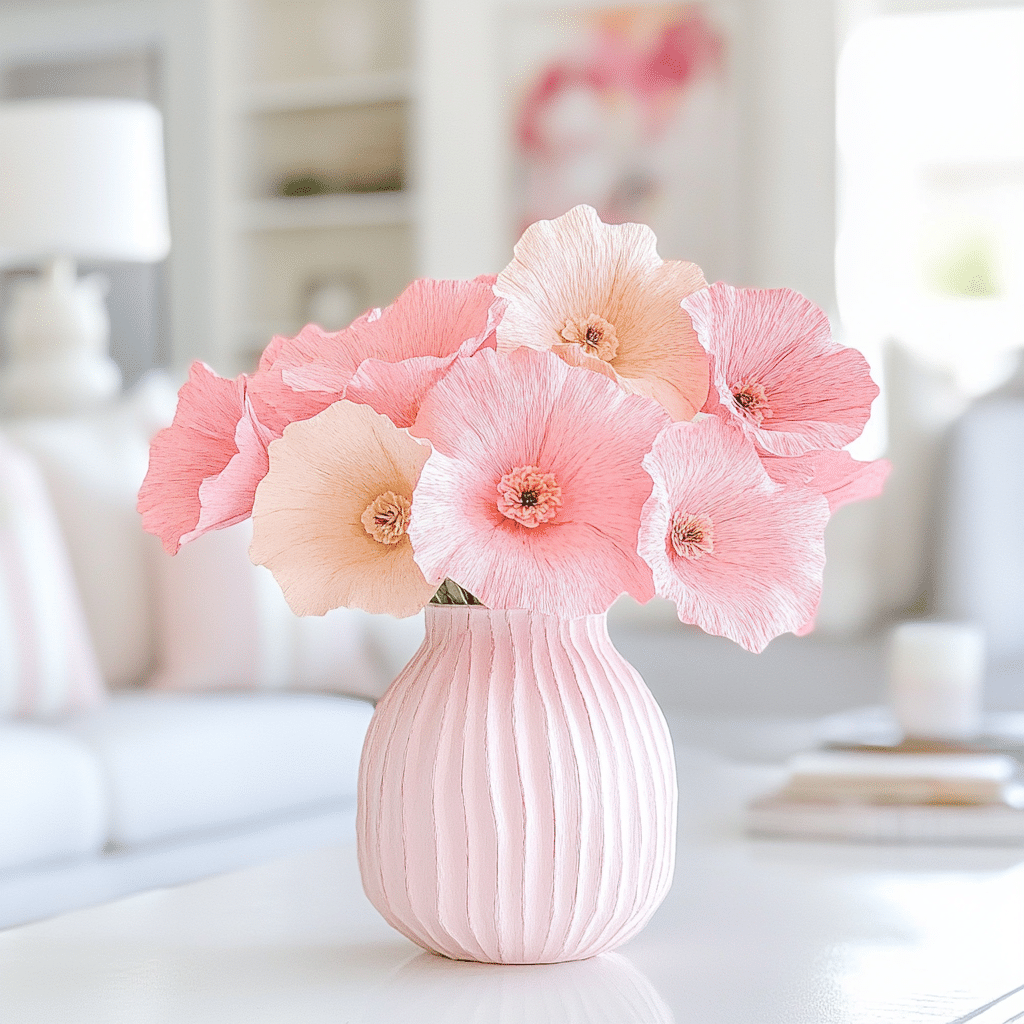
pixel 299 213
pixel 300 103
pixel 333 91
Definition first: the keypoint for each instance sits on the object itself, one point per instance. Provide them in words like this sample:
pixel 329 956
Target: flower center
pixel 595 335
pixel 387 517
pixel 692 536
pixel 752 400
pixel 528 496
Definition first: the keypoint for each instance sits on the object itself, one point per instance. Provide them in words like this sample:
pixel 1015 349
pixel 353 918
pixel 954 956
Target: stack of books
pixel 916 791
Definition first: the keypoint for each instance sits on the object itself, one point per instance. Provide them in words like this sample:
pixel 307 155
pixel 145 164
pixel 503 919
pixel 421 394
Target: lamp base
pixel 57 338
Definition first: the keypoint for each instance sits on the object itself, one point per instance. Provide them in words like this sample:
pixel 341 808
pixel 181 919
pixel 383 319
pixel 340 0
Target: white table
pixel 753 932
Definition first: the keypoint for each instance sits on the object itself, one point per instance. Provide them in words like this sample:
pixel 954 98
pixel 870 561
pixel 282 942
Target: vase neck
pixel 443 622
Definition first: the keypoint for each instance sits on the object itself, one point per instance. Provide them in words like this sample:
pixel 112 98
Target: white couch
pixel 155 788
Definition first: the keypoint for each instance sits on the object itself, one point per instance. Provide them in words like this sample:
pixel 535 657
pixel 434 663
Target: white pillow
pixel 94 464
pixel 224 624
pixel 979 572
pixel 47 662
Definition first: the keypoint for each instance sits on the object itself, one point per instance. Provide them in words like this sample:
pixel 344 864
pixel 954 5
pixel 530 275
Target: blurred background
pixel 310 158
pixel 868 153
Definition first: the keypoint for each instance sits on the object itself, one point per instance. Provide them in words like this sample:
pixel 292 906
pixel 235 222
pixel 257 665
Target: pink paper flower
pixel 331 517
pixel 389 358
pixel 532 495
pixel 204 468
pixel 600 296
pixel 740 555
pixel 836 474
pixel 777 373
pixel 197 446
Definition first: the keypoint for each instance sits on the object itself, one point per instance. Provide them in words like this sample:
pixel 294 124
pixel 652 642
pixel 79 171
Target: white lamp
pixel 79 179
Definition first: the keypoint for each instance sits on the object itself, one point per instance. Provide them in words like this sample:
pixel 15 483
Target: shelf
pixel 343 91
pixel 301 213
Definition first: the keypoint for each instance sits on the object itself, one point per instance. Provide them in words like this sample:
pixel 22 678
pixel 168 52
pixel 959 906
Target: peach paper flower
pixel 776 372
pixel 389 358
pixel 331 517
pixel 600 296
pixel 740 555
pixel 531 497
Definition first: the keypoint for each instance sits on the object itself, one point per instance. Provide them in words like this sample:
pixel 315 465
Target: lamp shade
pixel 82 178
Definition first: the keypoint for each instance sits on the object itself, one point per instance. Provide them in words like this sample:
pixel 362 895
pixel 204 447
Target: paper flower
pixel 740 555
pixel 197 446
pixel 532 495
pixel 204 467
pixel 331 517
pixel 388 359
pixel 600 296
pixel 777 373
pixel 837 475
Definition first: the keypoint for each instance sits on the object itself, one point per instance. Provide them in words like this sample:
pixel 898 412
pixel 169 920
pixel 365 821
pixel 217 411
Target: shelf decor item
pixel 513 454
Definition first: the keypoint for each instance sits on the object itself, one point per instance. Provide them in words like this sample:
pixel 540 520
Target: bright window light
pixel 930 122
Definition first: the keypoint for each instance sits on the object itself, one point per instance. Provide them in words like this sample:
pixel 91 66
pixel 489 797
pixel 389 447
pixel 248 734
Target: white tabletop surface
pixel 753 932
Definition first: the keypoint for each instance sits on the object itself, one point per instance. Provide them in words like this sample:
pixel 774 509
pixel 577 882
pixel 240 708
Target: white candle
pixel 935 678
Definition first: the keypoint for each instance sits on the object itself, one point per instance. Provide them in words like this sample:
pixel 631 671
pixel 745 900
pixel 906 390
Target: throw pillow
pixel 47 662
pixel 224 624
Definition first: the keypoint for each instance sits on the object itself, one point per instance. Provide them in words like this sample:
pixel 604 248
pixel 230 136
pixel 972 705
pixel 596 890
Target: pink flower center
pixel 387 517
pixel 692 536
pixel 752 400
pixel 595 335
pixel 529 496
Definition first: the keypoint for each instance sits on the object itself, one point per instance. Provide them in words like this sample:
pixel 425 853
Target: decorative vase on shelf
pixel 517 791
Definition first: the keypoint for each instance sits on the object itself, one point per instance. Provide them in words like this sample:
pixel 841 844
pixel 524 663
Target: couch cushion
pixel 52 801
pixel 182 764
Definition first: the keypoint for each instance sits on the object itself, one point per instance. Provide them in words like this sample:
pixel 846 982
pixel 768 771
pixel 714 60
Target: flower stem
pixel 451 593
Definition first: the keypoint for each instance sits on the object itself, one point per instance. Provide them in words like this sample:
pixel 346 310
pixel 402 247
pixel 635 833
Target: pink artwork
pixel 633 111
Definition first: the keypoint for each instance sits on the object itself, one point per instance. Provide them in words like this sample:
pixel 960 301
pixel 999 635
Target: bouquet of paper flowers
pixel 591 422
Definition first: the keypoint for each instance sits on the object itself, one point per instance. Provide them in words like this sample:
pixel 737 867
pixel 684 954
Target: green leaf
pixel 451 593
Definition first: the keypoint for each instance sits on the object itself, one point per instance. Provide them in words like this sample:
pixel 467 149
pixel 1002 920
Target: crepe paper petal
pixel 499 421
pixel 274 404
pixel 575 356
pixel 836 474
pixel 204 468
pixel 429 325
pixel 777 372
pixel 576 275
pixel 397 389
pixel 763 575
pixel 199 443
pixel 269 355
pixel 226 498
pixel 325 474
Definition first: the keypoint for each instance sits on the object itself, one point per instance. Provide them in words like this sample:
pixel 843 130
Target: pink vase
pixel 517 791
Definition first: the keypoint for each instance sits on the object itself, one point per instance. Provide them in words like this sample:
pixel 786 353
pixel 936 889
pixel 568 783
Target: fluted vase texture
pixel 517 791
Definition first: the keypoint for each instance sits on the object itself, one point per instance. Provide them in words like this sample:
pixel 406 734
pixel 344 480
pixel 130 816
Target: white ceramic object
pixel 517 793
pixel 936 671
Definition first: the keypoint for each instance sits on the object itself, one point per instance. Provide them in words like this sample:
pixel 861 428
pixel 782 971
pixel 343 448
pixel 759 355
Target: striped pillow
pixel 47 663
